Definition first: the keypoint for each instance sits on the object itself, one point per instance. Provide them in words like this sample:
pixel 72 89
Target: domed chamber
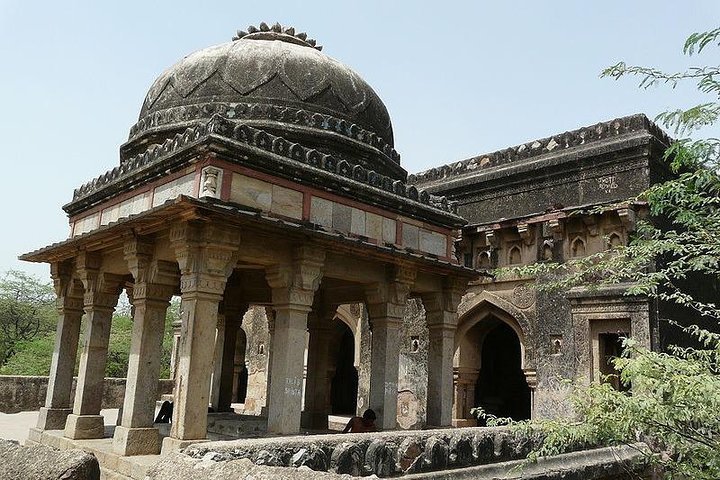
pixel 275 79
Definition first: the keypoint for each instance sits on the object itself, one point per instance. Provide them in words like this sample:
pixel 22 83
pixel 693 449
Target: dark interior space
pixel 501 389
pixel 344 386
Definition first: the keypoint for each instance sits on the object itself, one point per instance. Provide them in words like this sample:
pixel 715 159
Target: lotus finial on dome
pixel 276 32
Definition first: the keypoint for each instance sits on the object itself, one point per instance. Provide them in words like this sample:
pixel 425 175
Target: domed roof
pixel 273 77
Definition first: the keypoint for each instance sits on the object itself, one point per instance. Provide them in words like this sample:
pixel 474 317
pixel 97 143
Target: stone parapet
pixel 582 136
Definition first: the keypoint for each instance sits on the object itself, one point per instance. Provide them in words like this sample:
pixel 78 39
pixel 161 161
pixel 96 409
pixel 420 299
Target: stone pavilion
pixel 261 172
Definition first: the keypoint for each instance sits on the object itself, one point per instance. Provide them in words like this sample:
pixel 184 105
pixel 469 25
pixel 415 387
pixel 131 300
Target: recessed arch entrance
pixel 344 383
pixel 492 364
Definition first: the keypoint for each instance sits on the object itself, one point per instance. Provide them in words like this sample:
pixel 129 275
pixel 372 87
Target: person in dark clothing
pixel 366 423
pixel 165 413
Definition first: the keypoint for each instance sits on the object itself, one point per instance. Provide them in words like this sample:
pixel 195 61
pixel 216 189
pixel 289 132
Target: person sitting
pixel 366 423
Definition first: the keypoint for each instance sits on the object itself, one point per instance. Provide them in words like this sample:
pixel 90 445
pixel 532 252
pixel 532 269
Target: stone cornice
pixel 555 144
pixel 159 159
pixel 256 111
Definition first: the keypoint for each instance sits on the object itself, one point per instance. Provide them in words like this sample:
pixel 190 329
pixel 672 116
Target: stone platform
pixel 221 426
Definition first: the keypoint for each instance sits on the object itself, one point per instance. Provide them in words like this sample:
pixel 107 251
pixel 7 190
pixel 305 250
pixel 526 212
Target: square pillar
pixel 317 383
pixel 155 283
pixel 386 307
pixel 101 295
pixel 441 317
pixel 70 310
pixel 206 255
pixel 384 366
pixel 293 289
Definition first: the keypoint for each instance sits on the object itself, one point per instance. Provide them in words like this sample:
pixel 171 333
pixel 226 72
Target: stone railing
pixel 22 393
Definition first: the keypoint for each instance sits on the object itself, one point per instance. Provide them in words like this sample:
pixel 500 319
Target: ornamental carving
pixel 523 297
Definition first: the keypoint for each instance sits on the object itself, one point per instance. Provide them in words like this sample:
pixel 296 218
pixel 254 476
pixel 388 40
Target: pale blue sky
pixel 459 78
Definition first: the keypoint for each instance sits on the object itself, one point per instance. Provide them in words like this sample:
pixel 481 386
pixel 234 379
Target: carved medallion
pixel 523 297
pixel 407 409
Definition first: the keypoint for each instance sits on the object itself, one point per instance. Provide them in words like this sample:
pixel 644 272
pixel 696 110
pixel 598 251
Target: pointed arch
pixel 486 304
pixel 345 315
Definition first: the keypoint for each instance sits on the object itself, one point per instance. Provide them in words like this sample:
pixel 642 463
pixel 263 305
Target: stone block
pixel 170 444
pixel 41 462
pixel 437 454
pixel 373 226
pixel 380 458
pixel 287 202
pixel 357 222
pixel 251 192
pixel 180 186
pixel 321 212
pixel 346 458
pixel 410 236
pixel 342 217
pixel 79 427
pixel 136 441
pixel 433 242
pixel 389 230
pixel 52 418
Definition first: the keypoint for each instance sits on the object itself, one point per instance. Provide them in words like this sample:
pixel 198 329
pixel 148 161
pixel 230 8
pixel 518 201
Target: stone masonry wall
pixel 20 393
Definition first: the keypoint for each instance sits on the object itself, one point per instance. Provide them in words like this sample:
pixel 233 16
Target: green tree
pixel 674 404
pixel 27 311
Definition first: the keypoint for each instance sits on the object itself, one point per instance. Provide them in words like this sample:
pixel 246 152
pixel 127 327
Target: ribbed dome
pixel 276 79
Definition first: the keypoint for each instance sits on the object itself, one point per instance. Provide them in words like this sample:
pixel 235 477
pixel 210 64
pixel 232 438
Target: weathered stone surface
pixel 380 458
pixel 312 457
pixel 181 467
pixel 40 462
pixel 437 454
pixel 461 451
pixel 347 458
pixel 409 455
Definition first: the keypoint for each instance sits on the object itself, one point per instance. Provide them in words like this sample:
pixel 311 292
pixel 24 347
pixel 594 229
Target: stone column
pixel 531 379
pixel 465 380
pixel 386 307
pixel 293 289
pixel 270 315
pixel 101 295
pixel 206 255
pixel 225 361
pixel 155 283
pixel 70 310
pixel 441 317
pixel 317 383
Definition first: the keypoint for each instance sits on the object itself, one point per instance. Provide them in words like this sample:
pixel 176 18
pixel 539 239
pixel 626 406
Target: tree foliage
pixel 674 403
pixel 27 310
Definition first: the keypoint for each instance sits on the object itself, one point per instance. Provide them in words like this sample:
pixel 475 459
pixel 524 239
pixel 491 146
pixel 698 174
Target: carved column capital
pixel 206 255
pixel 68 288
pixel 295 284
pixel 387 299
pixel 102 289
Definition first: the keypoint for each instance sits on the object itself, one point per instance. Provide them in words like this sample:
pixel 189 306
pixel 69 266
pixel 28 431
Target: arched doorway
pixel 344 385
pixel 240 371
pixel 493 368
pixel 501 388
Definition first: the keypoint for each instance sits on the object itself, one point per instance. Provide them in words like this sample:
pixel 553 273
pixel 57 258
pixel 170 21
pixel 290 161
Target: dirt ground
pixel 15 426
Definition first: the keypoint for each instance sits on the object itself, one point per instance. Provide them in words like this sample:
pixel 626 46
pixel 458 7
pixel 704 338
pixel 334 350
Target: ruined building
pixel 261 185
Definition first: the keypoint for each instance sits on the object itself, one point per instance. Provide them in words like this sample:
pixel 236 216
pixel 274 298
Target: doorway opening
pixel 502 389
pixel 344 386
